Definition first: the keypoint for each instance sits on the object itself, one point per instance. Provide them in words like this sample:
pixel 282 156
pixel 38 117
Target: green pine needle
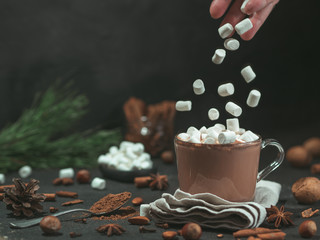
pixel 33 139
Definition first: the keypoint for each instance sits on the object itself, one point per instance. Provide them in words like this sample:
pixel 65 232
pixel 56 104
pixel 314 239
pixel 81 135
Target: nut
pixel 83 176
pixel 50 224
pixel 139 220
pixel 307 229
pixel 306 190
pixel 315 168
pixel 313 146
pixel 191 231
pixel 298 156
pixel 137 201
pixel 167 156
pixel 169 235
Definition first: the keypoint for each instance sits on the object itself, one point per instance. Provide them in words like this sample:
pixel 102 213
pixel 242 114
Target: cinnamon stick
pixel 49 196
pixel 253 232
pixel 7 186
pixel 67 194
pixel 77 201
pixel 272 236
pixel 141 182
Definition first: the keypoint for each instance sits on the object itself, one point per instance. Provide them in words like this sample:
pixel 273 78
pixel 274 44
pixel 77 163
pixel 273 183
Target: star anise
pixel 111 229
pixel 158 181
pixel 279 216
pixel 22 199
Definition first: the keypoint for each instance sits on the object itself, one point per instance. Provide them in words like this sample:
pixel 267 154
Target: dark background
pixel 154 50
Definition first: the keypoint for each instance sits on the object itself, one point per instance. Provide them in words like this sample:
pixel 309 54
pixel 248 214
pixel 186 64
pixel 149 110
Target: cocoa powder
pixel 111 202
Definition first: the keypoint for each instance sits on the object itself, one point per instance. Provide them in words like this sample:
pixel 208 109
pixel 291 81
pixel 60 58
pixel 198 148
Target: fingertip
pixel 215 12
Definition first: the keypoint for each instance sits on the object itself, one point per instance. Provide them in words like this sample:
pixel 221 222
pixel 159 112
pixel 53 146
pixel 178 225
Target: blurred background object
pixel 154 50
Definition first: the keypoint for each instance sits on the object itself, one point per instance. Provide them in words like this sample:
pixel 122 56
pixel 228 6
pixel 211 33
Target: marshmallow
pixel 219 56
pixel 241 131
pixel 243 26
pixel 226 89
pixel 225 30
pixel 104 159
pixel 2 178
pixel 213 114
pixel 98 183
pixel 198 87
pixel 231 44
pixel 227 137
pixel 183 106
pixel 248 74
pixel 124 145
pixel 203 136
pixel 209 140
pixel 138 148
pixel 219 126
pixel 113 150
pixel 194 140
pixel 203 129
pixel 253 98
pixel 233 124
pixel 146 165
pixel 184 136
pixel 213 133
pixel 196 134
pixel 66 173
pixel 233 109
pixel 248 136
pixel 191 129
pixel 243 6
pixel 25 171
pixel 130 154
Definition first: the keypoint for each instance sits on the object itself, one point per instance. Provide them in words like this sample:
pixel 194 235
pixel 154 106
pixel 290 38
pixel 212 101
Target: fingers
pixel 257 20
pixel 252 6
pixel 219 7
pixel 234 15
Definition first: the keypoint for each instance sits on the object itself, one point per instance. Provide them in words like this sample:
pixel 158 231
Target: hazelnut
pixel 83 176
pixel 167 156
pixel 50 224
pixel 313 146
pixel 306 190
pixel 191 231
pixel 307 229
pixel 137 201
pixel 315 168
pixel 298 156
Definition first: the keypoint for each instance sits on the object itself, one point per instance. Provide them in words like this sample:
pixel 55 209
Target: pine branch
pixel 32 139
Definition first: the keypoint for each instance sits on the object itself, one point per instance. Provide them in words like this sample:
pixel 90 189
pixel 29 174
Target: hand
pixel 258 10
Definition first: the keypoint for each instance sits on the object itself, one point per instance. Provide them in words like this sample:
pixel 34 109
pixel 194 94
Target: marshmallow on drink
pixel 183 106
pixel 253 98
pixel 2 178
pixel 213 114
pixel 227 137
pixel 184 136
pixel 231 44
pixel 233 124
pixel 226 89
pixel 219 56
pixel 98 183
pixel 243 26
pixel 66 173
pixel 225 30
pixel 249 136
pixel 233 109
pixel 25 171
pixel 248 74
pixel 198 87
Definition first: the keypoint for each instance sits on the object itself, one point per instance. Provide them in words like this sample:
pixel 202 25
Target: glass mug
pixel 229 171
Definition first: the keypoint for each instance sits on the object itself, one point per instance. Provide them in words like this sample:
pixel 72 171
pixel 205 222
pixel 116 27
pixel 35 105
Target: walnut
pixel 298 156
pixel 306 190
pixel 313 146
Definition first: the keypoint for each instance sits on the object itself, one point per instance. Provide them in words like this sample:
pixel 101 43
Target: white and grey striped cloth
pixel 211 211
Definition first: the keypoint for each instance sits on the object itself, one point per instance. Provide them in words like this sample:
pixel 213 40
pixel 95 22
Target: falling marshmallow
pixel 253 98
pixel 183 106
pixel 233 109
pixel 248 74
pixel 226 89
pixel 243 26
pixel 98 183
pixel 25 171
pixel 198 87
pixel 231 44
pixel 219 56
pixel 213 114
pixel 225 30
pixel 243 6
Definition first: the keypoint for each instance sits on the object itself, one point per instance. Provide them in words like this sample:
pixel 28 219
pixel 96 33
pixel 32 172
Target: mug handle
pixel 276 163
